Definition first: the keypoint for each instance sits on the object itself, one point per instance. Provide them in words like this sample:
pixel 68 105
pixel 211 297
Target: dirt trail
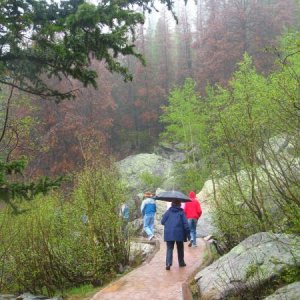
pixel 151 281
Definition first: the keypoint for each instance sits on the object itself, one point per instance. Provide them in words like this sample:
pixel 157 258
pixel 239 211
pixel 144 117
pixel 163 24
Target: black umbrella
pixel 172 195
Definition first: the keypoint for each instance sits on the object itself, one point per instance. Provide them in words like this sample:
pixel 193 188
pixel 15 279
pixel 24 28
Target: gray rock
pixel 171 152
pixel 7 297
pixel 136 226
pixel 205 225
pixel 288 292
pixel 140 251
pixel 29 296
pixel 132 168
pixel 257 259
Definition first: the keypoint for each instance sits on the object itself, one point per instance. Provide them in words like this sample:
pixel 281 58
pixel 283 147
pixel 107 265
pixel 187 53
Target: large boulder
pixel 290 292
pixel 205 225
pixel 133 167
pixel 250 264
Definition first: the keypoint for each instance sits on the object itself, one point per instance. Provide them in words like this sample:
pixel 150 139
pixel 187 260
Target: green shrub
pixel 190 179
pixel 57 244
pixel 240 210
pixel 151 181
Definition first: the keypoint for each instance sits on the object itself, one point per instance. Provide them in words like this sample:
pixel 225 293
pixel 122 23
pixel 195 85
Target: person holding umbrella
pixel 176 230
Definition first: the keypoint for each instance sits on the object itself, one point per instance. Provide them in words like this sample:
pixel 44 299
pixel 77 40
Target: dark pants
pixel 180 253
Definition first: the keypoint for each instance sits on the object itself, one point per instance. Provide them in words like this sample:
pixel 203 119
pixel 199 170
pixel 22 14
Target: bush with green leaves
pixel 266 197
pixel 190 178
pixel 151 181
pixel 234 128
pixel 56 244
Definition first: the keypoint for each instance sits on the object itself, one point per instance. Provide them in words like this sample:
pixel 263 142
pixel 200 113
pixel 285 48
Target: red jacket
pixel 193 209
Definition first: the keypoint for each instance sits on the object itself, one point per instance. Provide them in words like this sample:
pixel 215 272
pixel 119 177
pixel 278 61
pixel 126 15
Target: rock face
pixel 205 225
pixel 132 167
pixel 257 259
pixel 290 292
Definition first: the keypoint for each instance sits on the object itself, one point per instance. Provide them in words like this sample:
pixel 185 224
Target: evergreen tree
pixel 42 39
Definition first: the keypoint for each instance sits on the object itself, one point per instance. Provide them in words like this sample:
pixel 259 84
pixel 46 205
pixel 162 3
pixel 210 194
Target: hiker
pixel 193 212
pixel 176 230
pixel 148 209
pixel 124 214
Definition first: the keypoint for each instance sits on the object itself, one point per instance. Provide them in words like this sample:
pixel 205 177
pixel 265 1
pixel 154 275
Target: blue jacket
pixel 176 225
pixel 148 206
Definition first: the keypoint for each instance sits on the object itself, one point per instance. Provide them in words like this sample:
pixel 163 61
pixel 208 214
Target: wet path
pixel 151 281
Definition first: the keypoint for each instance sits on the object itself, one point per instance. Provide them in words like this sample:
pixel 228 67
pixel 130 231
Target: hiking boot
pixel 168 268
pixel 190 243
pixel 182 265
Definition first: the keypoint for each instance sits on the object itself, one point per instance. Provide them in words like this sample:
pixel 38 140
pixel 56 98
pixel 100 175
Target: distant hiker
pixel 193 212
pixel 176 230
pixel 124 213
pixel 148 209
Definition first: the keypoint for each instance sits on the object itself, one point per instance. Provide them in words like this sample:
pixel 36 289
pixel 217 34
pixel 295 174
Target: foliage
pixel 54 244
pixel 248 126
pixel 205 48
pixel 186 123
pixel 191 178
pixel 59 38
pixel 234 27
pixel 150 181
pixel 43 41
pixel 66 130
pixel 182 116
pixel 81 292
pixel 19 189
pixel 259 197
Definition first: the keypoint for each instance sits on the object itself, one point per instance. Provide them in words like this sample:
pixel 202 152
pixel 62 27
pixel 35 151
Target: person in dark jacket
pixel 176 230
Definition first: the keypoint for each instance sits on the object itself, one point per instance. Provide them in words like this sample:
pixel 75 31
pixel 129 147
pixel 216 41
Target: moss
pixel 290 275
pixel 251 271
pixel 194 289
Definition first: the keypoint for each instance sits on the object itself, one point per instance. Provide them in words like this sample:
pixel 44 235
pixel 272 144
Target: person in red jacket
pixel 193 212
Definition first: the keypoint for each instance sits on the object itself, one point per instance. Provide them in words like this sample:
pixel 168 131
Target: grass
pixel 81 292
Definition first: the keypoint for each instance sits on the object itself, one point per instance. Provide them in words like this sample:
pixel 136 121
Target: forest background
pixel 220 84
pixel 122 118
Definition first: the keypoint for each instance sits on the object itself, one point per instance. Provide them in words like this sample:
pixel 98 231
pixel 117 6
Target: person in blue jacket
pixel 176 230
pixel 148 209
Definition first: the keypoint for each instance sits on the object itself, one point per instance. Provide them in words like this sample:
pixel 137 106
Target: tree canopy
pixel 40 39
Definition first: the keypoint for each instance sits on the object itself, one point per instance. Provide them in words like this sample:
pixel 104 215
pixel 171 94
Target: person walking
pixel 176 229
pixel 193 212
pixel 148 209
pixel 124 213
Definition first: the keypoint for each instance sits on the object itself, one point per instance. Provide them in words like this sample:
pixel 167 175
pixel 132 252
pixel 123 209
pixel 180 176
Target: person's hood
pixel 175 208
pixel 192 195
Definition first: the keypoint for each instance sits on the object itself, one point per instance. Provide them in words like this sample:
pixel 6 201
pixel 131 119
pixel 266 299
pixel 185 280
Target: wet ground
pixel 151 281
